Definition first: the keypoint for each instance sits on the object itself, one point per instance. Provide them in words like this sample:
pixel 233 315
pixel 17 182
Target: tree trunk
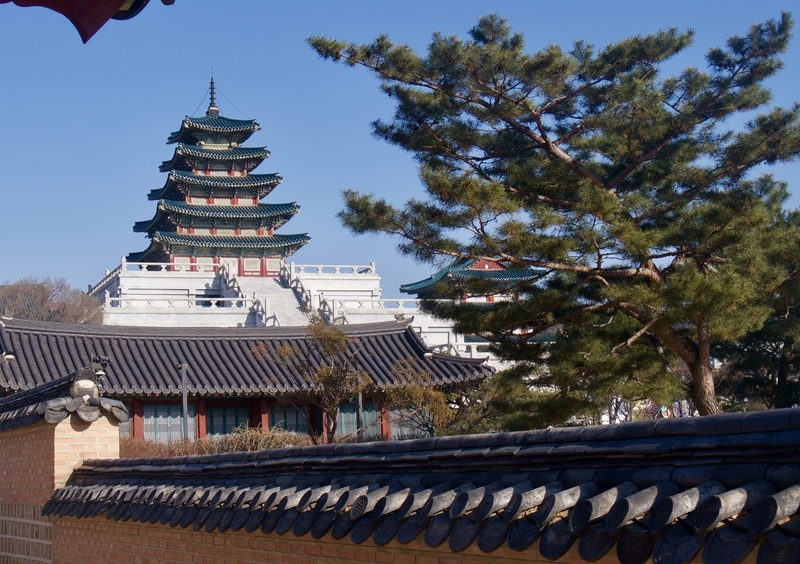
pixel 697 357
pixel 331 422
pixel 703 394
pixel 782 397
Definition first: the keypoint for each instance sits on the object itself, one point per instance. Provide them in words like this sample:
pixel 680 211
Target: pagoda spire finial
pixel 212 104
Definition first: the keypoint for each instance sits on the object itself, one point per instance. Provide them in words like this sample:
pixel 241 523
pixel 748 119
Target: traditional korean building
pixel 209 207
pixel 501 279
pixel 216 258
pixel 227 383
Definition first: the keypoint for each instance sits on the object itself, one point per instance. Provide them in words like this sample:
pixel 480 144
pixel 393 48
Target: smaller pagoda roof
pixel 260 211
pixel 277 242
pixel 198 152
pixel 214 181
pixel 232 241
pixel 462 270
pixel 213 123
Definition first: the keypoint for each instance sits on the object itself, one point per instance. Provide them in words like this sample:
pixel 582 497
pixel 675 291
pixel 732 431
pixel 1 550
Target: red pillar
pixel 263 405
pixel 385 424
pixel 138 420
pixel 200 419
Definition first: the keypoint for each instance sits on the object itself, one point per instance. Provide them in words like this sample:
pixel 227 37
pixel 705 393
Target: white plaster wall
pixel 199 317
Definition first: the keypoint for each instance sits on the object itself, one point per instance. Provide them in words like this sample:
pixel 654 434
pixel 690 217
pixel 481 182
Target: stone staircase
pixel 280 300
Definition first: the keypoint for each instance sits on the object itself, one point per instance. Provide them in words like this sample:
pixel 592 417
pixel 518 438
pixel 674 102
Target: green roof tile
pixel 195 151
pixel 213 123
pixel 231 241
pixel 462 270
pixel 262 183
pixel 260 211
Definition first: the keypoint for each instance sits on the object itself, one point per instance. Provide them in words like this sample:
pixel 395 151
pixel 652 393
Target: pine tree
pixel 632 191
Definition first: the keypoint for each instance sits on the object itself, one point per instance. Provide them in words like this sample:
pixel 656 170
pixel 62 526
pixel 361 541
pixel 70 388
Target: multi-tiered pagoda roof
pixel 209 206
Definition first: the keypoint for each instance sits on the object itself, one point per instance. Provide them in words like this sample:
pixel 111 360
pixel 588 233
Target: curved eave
pixel 462 272
pixel 232 242
pixel 253 155
pixel 260 211
pixel 154 253
pixel 278 213
pixel 191 126
pixel 506 276
pixel 416 287
pixel 260 184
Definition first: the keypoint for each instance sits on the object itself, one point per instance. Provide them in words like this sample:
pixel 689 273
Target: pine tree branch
pixel 635 336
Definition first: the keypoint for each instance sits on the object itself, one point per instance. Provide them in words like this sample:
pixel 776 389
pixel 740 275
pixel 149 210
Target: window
pixel 163 422
pixel 288 418
pixel 222 420
pixel 347 419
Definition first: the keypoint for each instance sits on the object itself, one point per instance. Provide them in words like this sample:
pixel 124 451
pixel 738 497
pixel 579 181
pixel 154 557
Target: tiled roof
pixel 54 401
pixel 233 241
pixel 260 211
pixel 220 359
pixel 213 123
pixel 462 270
pixel 256 154
pixel 257 184
pixel 659 491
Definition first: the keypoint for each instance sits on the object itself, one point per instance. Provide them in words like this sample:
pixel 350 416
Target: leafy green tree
pixel 638 194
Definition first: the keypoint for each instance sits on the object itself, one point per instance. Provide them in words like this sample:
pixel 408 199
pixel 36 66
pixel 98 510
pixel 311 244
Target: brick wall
pixel 76 440
pixel 102 541
pixel 37 459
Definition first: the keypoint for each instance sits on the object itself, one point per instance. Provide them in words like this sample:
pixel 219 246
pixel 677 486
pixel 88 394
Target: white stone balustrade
pixel 292 270
pixel 162 301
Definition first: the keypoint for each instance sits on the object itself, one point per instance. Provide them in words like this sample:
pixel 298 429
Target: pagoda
pixel 209 208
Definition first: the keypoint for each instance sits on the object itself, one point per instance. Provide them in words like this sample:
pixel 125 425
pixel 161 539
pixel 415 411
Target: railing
pixel 97 288
pixel 168 268
pixel 376 303
pixel 259 306
pixel 231 282
pixel 206 303
pixel 468 350
pixel 292 274
pixel 292 271
pixel 152 268
pixel 296 285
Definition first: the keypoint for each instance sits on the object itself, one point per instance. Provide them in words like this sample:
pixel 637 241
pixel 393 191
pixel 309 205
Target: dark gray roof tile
pixel 144 358
pixel 637 429
pixel 768 420
pixel 677 426
pixel 694 475
pixel 646 458
pixel 598 432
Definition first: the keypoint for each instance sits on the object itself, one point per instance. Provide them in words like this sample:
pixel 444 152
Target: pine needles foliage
pixel 660 234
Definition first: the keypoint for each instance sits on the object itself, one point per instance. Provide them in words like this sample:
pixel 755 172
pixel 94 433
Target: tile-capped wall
pixel 38 459
pixel 102 541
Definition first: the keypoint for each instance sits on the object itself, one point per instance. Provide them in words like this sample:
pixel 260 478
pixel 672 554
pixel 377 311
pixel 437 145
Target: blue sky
pixel 84 126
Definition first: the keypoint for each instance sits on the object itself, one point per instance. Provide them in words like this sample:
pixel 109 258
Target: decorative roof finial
pixel 212 104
